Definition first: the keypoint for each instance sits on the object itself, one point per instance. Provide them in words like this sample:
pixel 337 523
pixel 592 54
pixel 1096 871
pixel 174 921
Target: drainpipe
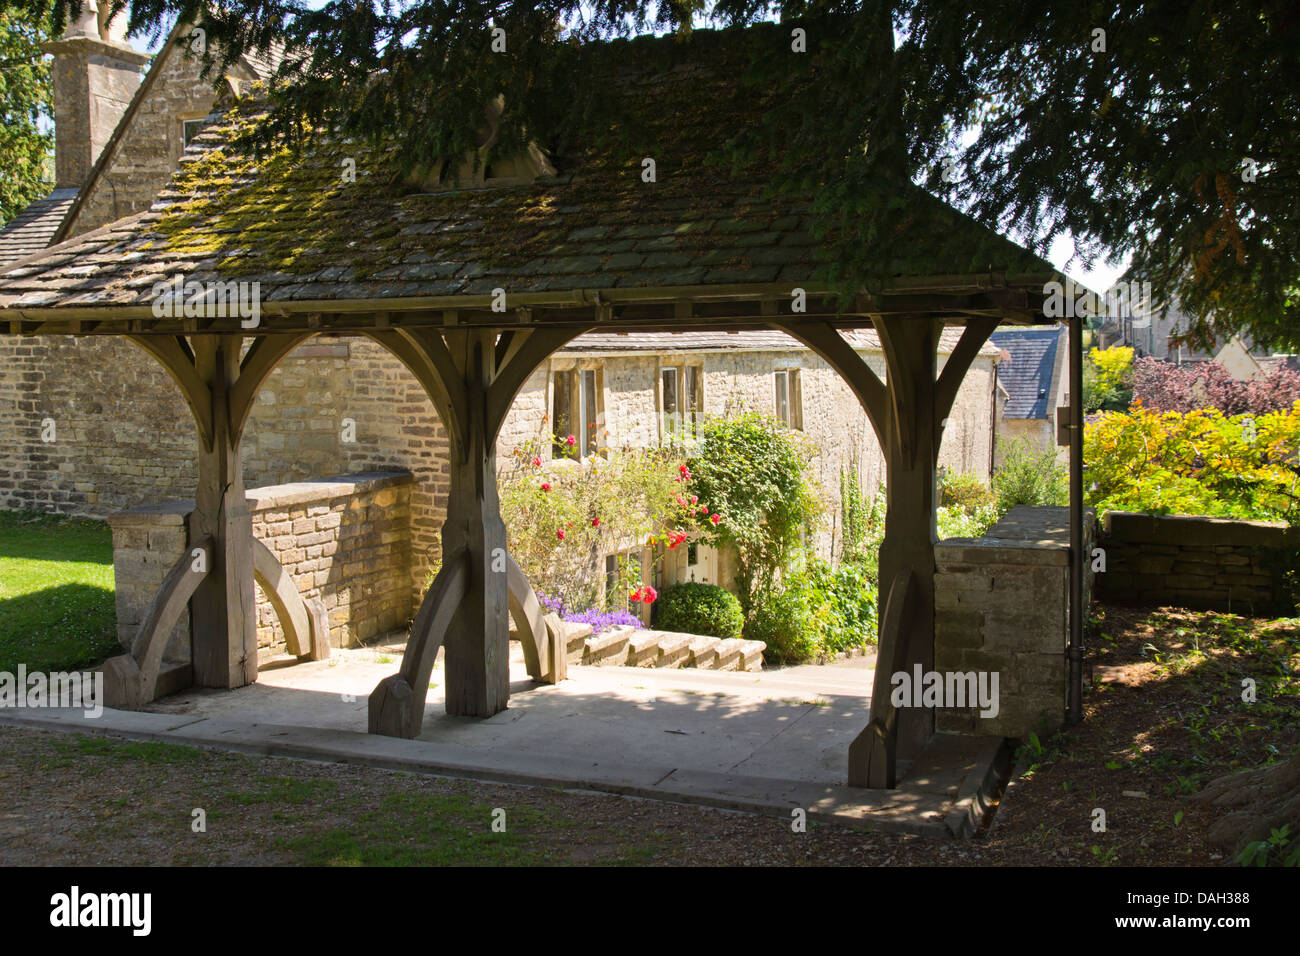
pixel 1077 556
pixel 993 431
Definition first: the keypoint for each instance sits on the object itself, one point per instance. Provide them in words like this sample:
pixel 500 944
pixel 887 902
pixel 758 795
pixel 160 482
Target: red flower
pixel 683 469
pixel 716 519
pixel 546 486
pixel 570 441
pixel 595 522
pixel 635 595
pixel 560 535
pixel 695 499
pixel 648 594
pixel 537 463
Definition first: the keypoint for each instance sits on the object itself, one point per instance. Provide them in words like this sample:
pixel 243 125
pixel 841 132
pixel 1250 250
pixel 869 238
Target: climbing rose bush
pixel 562 516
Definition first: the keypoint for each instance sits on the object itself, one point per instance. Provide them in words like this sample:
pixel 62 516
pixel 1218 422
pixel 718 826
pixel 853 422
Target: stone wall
pixel 1198 562
pixel 345 540
pixel 1002 606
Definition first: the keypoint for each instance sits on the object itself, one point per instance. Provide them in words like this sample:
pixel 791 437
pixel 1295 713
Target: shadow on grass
pixel 58 629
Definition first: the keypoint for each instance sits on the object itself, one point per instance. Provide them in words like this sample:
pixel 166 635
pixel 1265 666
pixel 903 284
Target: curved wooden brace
pixel 174 354
pixel 873 753
pixel 303 635
pixel 516 361
pixel 973 337
pixel 827 342
pixel 543 653
pixel 266 352
pixel 419 364
pixel 397 702
pixel 131 680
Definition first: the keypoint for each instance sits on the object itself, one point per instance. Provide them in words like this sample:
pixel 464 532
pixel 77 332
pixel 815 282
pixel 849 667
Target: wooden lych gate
pixel 472 361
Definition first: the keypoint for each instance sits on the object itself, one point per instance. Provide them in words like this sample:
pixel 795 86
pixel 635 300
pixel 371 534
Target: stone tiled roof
pixel 32 229
pixel 1026 372
pixel 740 341
pixel 290 222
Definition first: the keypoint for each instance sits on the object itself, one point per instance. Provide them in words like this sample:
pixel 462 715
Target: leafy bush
pixel 695 608
pixel 788 618
pixel 754 475
pixel 1030 477
pixel 1201 463
pixel 960 523
pixel 1169 387
pixel 964 491
pixel 815 612
pixel 1107 377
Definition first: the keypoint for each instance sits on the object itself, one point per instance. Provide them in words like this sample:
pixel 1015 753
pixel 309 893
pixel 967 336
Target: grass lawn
pixel 56 592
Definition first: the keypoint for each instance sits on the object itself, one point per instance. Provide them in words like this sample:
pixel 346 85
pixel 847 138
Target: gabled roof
pixel 291 222
pixel 1026 371
pixel 33 229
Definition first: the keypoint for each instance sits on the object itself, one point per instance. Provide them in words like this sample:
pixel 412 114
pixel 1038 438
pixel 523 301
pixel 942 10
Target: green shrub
pixel 694 608
pixel 788 619
pixel 1030 477
pixel 965 491
pixel 815 612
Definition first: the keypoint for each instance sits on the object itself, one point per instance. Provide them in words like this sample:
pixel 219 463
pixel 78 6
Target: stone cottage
pixel 122 436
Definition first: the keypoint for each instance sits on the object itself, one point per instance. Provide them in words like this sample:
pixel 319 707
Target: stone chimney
pixel 95 73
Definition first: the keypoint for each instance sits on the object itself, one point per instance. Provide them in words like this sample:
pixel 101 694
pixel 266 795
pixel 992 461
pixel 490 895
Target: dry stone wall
pixel 344 540
pixel 1197 562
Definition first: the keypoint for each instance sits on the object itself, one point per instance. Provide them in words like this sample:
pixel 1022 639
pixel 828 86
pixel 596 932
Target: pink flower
pixel 560 535
pixel 648 594
pixel 537 463
pixel 695 499
pixel 570 441
pixel 546 486
pixel 716 519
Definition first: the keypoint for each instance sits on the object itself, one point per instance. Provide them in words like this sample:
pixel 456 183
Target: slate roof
pixel 32 229
pixel 1026 371
pixel 740 341
pixel 290 222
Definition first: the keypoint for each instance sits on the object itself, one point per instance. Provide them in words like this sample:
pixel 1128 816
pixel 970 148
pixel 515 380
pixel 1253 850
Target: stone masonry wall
pixel 344 540
pixel 1196 562
pixel 1002 605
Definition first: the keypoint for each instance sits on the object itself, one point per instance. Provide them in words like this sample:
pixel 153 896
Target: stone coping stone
pixel 270 496
pixel 998 551
pixel 1193 530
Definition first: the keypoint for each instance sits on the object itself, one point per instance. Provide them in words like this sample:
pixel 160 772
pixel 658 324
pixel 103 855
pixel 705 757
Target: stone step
pixel 609 648
pixel 702 652
pixel 751 655
pixel 575 640
pixel 730 654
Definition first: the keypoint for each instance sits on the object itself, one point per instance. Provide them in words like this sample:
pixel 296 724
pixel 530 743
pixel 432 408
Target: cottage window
pixel 789 398
pixel 577 411
pixel 681 391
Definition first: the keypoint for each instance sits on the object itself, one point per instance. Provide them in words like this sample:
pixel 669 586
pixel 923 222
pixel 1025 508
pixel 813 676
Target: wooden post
pixel 223 608
pixel 478 643
pixel 911 483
